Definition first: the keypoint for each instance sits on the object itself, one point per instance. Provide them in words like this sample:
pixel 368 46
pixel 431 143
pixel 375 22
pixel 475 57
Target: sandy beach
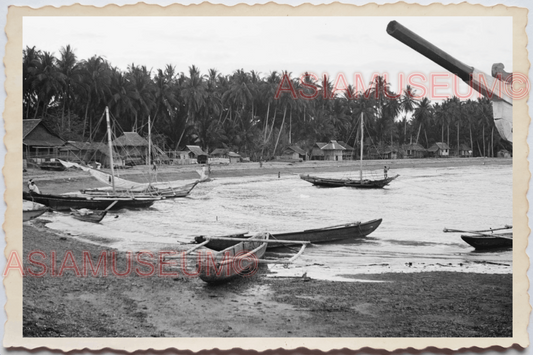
pixel 60 303
pixel 73 179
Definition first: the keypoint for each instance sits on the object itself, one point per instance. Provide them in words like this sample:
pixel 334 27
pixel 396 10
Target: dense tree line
pixel 243 111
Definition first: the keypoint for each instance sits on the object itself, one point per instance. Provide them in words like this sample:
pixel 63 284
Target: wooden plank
pixel 260 240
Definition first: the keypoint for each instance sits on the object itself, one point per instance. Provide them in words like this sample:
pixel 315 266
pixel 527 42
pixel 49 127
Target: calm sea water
pixel 415 209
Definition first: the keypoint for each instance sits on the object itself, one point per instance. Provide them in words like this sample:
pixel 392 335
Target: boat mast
pixel 149 143
pixel 361 155
pixel 148 159
pixel 110 148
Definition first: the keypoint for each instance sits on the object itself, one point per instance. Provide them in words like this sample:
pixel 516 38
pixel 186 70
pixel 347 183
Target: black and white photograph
pixel 268 172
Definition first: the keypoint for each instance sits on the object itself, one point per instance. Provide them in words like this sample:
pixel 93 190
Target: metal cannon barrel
pixel 429 50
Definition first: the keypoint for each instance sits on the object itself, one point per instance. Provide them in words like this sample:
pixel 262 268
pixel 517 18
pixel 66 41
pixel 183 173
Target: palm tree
pixel 194 95
pixel 70 75
pixel 408 104
pixel 46 82
pixel 422 115
pixel 94 88
pixel 30 63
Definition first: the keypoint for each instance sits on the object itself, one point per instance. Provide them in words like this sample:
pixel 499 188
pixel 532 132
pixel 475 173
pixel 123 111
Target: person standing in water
pixel 385 171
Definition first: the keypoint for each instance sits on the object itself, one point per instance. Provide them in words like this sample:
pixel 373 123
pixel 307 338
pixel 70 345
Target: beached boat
pixel 33 213
pixel 52 166
pixel 145 191
pixel 66 202
pixel 240 259
pixel 87 215
pixel 487 238
pixel 349 231
pixel 361 183
pixel 489 241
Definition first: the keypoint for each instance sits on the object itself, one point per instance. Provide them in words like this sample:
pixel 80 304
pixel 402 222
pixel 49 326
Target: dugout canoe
pixel 33 213
pixel 66 202
pixel 349 231
pixel 241 259
pixel 489 241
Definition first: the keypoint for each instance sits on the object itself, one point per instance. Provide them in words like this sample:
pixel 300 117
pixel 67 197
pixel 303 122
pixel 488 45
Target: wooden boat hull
pixel 65 203
pixel 489 242
pixel 94 217
pixel 350 231
pixel 241 259
pixel 31 214
pixel 364 184
pixel 167 192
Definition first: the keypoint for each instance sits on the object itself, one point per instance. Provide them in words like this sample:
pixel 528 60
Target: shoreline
pixel 73 179
pixel 388 304
pixel 385 305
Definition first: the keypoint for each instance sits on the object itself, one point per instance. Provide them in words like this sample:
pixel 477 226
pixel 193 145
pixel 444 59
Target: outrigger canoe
pixel 489 241
pixel 349 231
pixel 87 215
pixel 486 239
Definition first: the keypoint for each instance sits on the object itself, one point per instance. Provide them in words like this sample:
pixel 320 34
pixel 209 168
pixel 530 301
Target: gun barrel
pixel 429 50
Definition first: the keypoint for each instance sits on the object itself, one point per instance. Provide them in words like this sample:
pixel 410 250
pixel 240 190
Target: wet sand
pixel 431 304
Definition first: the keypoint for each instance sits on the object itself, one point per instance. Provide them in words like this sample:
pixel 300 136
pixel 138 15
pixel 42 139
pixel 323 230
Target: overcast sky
pixel 319 45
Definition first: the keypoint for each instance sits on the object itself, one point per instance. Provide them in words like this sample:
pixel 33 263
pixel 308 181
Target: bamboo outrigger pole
pixel 446 230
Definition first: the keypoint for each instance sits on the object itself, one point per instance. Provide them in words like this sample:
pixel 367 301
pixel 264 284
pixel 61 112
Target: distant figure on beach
pixel 154 167
pixel 33 188
pixel 385 171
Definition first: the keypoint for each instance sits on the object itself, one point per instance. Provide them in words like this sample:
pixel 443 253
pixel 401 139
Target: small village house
pixel 327 151
pixel 333 151
pixel 316 152
pixel 414 150
pixel 195 152
pixel 390 152
pixel 131 148
pixel 348 153
pixel 180 157
pixel 219 153
pixel 439 149
pixel 464 151
pixel 234 157
pixel 293 152
pixel 39 141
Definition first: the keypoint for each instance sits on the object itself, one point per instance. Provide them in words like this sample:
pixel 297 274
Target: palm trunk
pixel 266 123
pixel 280 129
pixel 484 150
pixel 471 141
pixel 418 134
pixel 36 109
pixel 492 143
pixel 290 127
pixel 272 127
